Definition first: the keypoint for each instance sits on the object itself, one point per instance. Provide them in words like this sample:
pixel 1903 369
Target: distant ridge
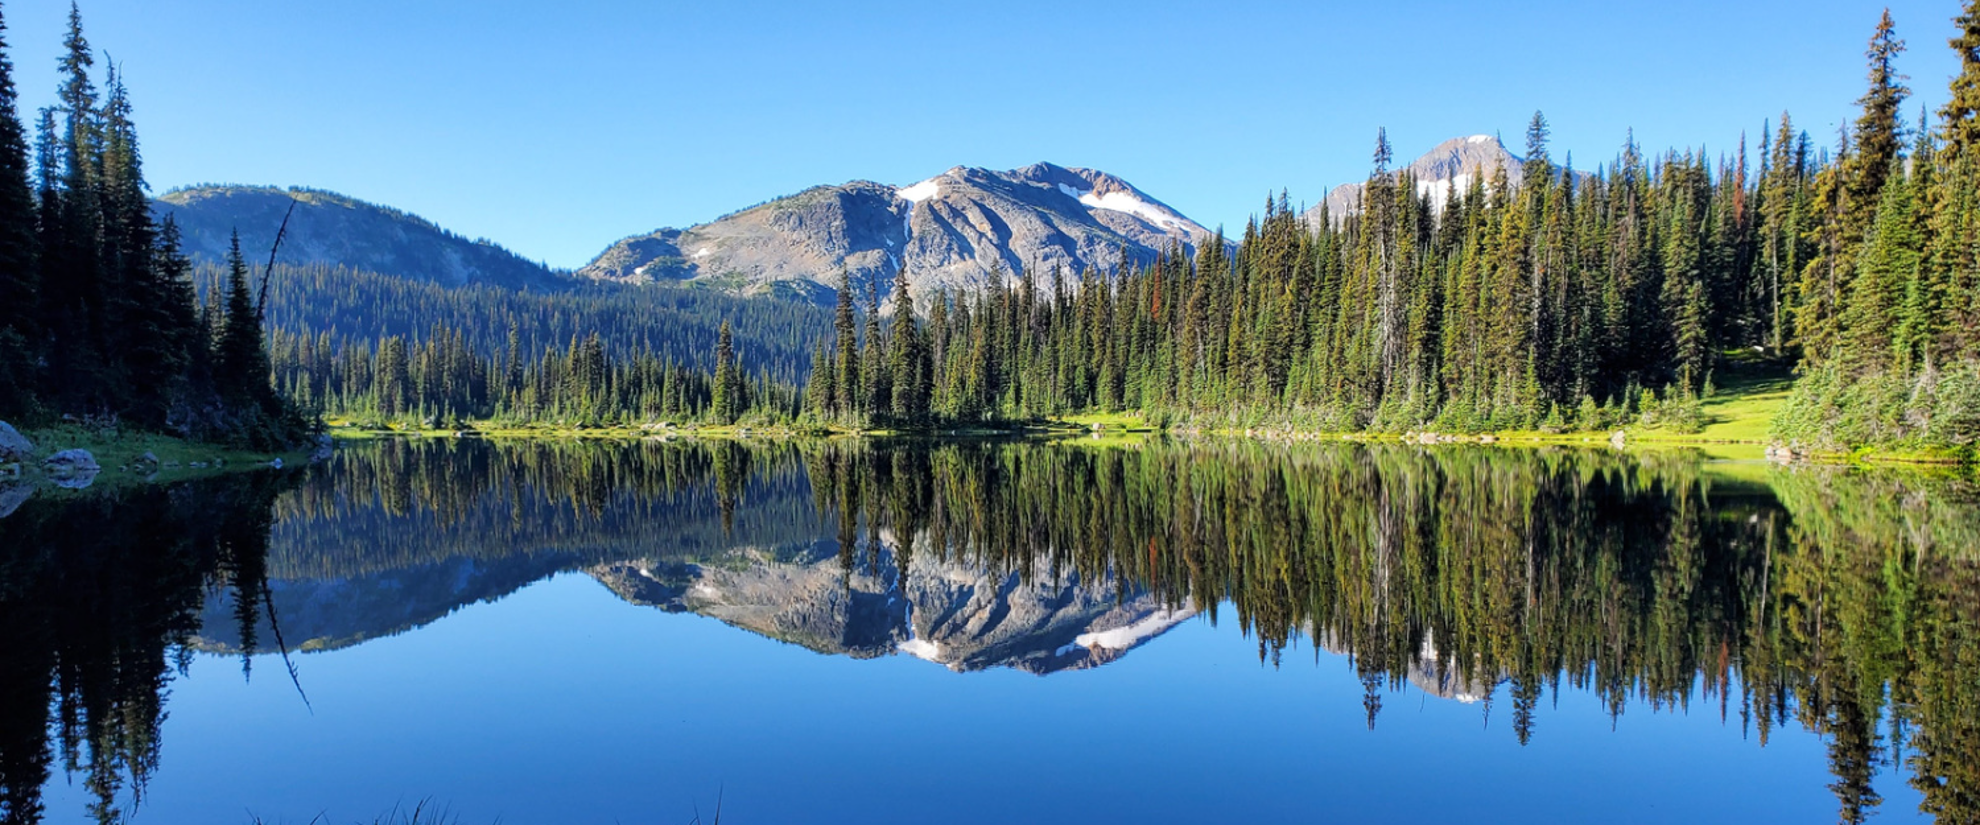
pixel 334 229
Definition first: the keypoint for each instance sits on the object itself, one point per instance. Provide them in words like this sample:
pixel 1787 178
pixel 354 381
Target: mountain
pixel 1456 161
pixel 328 228
pixel 957 615
pixel 951 231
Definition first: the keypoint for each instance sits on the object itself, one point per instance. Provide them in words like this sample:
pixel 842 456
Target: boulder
pixel 71 462
pixel 72 469
pixel 76 482
pixel 12 496
pixel 13 445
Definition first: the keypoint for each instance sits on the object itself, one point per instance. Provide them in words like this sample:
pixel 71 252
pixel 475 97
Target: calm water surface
pixel 995 632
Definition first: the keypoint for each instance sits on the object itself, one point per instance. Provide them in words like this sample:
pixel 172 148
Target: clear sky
pixel 556 128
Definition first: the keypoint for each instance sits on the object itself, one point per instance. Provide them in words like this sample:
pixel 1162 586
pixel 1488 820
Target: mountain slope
pixel 1457 161
pixel 335 230
pixel 950 613
pixel 952 231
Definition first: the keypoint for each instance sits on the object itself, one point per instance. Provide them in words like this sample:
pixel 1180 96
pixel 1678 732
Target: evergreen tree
pixel 846 349
pixel 19 268
pixel 728 388
pixel 242 371
pixel 1879 134
pixel 908 356
pixel 876 393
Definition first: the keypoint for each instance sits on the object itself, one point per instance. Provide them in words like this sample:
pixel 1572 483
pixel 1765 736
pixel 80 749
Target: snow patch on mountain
pixel 1125 202
pixel 1122 638
pixel 922 649
pixel 1439 191
pixel 921 191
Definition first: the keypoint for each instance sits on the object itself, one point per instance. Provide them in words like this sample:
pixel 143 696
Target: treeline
pixel 97 310
pixel 351 344
pixel 1568 300
pixel 359 307
pixel 441 380
pixel 1841 604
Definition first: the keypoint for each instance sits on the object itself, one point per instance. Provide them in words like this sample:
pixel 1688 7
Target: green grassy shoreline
pixel 1736 423
pixel 121 453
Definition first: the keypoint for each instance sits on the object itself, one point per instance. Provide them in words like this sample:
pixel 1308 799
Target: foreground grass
pixel 122 455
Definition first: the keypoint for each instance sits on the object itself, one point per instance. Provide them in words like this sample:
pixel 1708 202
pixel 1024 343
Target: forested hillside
pixel 331 229
pixel 380 348
pixel 1568 300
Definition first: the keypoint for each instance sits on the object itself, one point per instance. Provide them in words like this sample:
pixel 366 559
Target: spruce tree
pixel 908 356
pixel 846 350
pixel 20 277
pixel 877 390
pixel 727 402
pixel 242 371
pixel 1955 220
pixel 1962 110
pixel 1879 133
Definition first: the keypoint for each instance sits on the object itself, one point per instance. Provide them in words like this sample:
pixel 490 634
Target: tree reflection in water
pixel 1841 601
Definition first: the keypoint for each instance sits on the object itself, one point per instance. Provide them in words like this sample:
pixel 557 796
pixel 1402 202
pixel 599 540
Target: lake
pixel 994 632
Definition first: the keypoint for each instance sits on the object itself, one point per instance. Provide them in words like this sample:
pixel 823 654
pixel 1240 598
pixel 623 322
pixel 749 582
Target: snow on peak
pixel 1075 194
pixel 919 192
pixel 1122 638
pixel 921 649
pixel 1480 139
pixel 1127 202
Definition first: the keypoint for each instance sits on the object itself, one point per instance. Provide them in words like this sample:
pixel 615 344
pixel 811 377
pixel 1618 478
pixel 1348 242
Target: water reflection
pixel 100 596
pixel 1842 602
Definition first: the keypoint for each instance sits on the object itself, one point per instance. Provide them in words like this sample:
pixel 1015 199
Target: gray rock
pixel 149 457
pixel 952 231
pixel 76 481
pixel 277 463
pixel 13 445
pixel 323 449
pixel 71 462
pixel 12 496
pixel 946 612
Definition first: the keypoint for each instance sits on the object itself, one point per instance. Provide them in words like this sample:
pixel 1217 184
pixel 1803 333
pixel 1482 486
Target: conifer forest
pixel 1502 483
pixel 1576 299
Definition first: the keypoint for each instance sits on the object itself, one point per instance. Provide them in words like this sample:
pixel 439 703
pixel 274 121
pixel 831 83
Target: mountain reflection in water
pixel 1842 602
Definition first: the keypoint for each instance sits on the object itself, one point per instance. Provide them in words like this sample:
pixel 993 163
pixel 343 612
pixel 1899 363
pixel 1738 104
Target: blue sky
pixel 556 128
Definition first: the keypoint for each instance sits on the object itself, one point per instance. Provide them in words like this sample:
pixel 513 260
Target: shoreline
pixel 1120 428
pixel 126 458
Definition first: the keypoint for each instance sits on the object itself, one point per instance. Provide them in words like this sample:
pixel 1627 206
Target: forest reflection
pixel 1845 602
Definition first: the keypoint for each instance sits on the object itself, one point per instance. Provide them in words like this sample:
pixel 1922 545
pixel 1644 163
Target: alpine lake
pixel 994 631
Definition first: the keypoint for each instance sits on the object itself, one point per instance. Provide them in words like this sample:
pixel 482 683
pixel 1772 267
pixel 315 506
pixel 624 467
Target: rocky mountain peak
pixel 1452 164
pixel 955 231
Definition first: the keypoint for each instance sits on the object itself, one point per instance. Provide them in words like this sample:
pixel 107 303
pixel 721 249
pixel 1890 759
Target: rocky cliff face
pixel 962 229
pixel 1454 163
pixel 945 612
pixel 331 229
